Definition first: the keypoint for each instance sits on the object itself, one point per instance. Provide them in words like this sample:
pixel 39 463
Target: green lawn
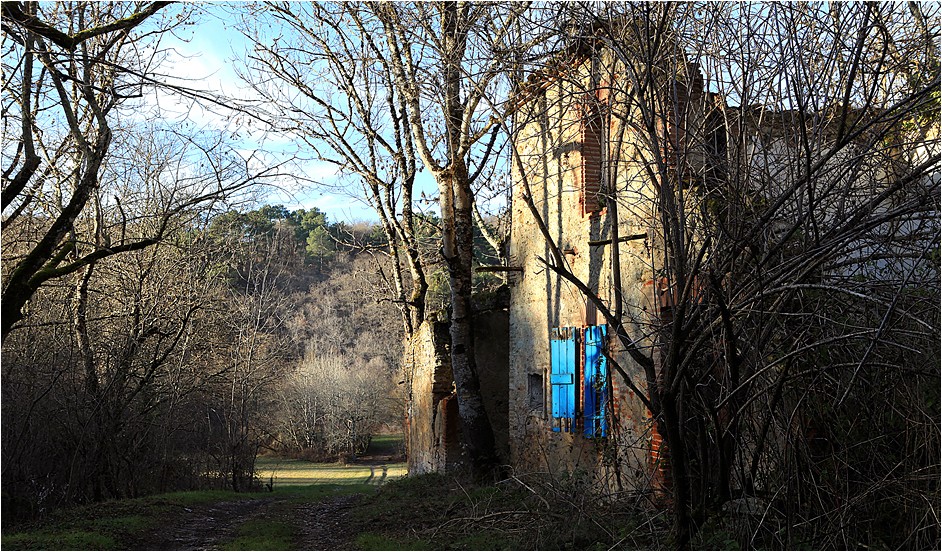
pixel 116 525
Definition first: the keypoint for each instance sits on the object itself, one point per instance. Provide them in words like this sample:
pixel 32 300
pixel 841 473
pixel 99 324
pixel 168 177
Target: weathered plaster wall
pixel 552 154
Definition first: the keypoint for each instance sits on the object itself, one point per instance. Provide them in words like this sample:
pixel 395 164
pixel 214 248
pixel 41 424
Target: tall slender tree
pixel 414 85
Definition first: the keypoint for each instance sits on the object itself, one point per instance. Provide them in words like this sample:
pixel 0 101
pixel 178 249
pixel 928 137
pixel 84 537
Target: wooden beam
pixel 498 269
pixel 600 243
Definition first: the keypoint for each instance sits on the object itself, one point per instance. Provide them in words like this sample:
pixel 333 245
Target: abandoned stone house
pixel 581 153
pixel 545 380
pixel 583 186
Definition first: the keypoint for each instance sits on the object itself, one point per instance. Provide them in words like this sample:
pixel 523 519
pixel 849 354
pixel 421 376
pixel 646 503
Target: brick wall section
pixel 660 464
pixel 616 394
pixel 590 134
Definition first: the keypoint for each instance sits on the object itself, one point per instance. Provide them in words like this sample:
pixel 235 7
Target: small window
pixel 535 392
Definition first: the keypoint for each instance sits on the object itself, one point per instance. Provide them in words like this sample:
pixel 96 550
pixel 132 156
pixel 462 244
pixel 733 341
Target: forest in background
pixel 260 331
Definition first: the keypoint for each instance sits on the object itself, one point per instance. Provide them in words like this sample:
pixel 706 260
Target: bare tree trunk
pixel 458 244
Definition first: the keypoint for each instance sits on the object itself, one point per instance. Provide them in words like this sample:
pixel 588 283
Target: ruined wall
pixel 429 376
pixel 433 426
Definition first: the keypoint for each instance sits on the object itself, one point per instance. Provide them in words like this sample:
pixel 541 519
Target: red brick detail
pixel 660 464
pixel 590 176
pixel 616 404
pixel 603 92
pixel 660 294
pixel 665 296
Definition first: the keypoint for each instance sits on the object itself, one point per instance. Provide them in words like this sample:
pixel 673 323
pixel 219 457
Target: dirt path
pixel 322 525
pixel 206 526
pixel 325 525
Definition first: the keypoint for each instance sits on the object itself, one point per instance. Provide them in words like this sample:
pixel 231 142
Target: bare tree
pixel 333 404
pixel 349 115
pixel 254 347
pixel 86 179
pixel 103 362
pixel 72 68
pixel 446 101
pixel 411 85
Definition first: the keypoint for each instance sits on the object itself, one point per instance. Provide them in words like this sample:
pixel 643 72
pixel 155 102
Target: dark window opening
pixel 535 392
pixel 716 148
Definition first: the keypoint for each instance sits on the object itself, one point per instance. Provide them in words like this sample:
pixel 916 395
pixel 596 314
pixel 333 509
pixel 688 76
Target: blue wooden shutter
pixel 596 382
pixel 563 376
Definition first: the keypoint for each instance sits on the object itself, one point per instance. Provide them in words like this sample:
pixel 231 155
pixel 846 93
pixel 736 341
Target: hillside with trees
pixel 253 333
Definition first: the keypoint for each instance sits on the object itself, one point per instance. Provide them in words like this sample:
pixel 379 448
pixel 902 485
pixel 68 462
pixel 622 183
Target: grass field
pixel 283 471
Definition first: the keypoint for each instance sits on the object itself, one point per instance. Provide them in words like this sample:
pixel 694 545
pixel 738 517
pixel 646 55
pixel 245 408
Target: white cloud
pixel 321 171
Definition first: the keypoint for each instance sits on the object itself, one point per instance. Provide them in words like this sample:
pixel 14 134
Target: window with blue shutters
pixel 595 383
pixel 563 382
pixel 576 358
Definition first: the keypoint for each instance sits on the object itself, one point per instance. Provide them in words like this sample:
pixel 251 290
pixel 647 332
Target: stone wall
pixel 556 149
pixel 428 373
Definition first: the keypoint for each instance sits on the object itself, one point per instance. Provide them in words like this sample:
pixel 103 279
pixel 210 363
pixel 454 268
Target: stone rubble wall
pixel 433 428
